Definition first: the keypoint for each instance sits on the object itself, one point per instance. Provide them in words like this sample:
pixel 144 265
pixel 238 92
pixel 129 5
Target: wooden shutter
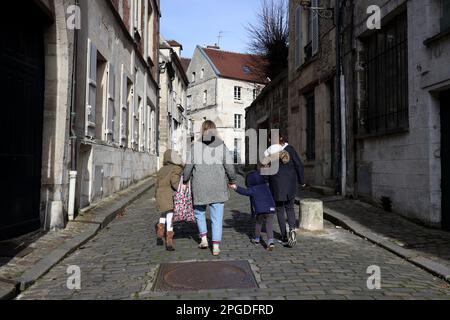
pixel 123 108
pixel 315 28
pixel 91 90
pixel 111 104
pixel 298 36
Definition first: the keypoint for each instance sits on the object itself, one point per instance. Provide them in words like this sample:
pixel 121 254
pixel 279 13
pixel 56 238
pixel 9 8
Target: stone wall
pixel 406 167
pixel 314 75
pixel 105 167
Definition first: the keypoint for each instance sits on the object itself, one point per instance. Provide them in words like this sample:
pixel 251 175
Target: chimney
pixel 215 47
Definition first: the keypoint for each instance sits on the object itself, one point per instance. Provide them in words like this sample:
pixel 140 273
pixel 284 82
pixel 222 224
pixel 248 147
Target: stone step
pixel 326 191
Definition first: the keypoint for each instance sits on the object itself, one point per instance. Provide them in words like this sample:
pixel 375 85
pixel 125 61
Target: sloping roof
pixel 174 43
pixel 235 65
pixel 185 62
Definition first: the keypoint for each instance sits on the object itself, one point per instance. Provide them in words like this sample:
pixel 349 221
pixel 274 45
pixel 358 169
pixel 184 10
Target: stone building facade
pixel 398 83
pixel 89 110
pixel 117 96
pixel 311 77
pixel 270 109
pixel 174 124
pixel 222 85
pixel 36 79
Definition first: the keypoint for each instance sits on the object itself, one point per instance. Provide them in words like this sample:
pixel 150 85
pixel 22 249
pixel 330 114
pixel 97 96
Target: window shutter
pixel 445 20
pixel 298 36
pixel 135 139
pixel 315 28
pixel 91 90
pixel 111 103
pixel 123 108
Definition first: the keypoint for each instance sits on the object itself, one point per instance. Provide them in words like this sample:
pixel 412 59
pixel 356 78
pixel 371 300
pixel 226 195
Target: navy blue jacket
pixel 261 198
pixel 284 185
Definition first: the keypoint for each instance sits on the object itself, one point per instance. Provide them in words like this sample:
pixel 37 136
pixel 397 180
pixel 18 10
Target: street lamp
pixel 326 13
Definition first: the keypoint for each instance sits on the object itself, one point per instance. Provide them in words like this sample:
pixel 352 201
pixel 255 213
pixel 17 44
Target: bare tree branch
pixel 269 38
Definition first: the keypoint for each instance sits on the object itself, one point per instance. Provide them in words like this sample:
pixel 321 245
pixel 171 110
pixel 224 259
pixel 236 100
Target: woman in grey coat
pixel 210 170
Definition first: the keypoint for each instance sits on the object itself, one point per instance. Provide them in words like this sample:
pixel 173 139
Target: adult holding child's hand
pixel 211 170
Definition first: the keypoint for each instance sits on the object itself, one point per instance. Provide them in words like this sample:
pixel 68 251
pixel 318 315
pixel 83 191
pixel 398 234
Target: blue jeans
pixel 216 212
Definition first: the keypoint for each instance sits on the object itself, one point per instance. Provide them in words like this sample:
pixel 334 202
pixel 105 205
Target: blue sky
pixel 198 22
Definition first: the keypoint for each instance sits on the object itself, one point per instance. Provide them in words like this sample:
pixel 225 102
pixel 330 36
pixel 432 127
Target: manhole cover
pixel 205 276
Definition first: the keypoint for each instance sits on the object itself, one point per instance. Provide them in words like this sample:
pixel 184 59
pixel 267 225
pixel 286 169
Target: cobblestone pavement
pixel 120 263
pixel 431 243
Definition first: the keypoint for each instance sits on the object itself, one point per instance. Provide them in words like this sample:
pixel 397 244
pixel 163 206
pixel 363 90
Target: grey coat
pixel 210 170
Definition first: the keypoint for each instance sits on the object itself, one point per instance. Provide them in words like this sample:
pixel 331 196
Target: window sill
pixel 391 132
pixel 306 63
pixel 441 35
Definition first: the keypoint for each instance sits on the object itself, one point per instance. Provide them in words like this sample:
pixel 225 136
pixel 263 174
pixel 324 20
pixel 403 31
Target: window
pixel 237 93
pixel 205 97
pixel 237 151
pixel 151 33
pixel 387 78
pixel 298 36
pixel 110 107
pixel 445 19
pixel 91 91
pixel 310 127
pixel 137 16
pixel 255 94
pixel 238 121
pixel 193 76
pixel 202 74
pixel 125 98
pixel 142 131
pixel 101 83
pixel 189 102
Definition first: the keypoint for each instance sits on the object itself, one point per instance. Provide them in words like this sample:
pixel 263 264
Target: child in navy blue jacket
pixel 262 205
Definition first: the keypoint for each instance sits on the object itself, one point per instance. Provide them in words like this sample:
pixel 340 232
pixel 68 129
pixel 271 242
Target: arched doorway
pixel 22 72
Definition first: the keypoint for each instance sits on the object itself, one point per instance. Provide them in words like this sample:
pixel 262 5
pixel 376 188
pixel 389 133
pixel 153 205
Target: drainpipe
pixel 73 136
pixel 340 99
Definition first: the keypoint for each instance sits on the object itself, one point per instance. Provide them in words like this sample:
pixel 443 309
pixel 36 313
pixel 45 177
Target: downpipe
pixel 73 137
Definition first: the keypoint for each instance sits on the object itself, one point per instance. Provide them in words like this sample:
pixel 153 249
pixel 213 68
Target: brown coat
pixel 167 181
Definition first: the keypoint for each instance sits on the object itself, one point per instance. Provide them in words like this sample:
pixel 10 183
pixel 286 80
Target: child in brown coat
pixel 167 182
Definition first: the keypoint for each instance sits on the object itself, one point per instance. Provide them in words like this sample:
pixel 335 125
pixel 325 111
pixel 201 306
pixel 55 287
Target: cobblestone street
pixel 122 261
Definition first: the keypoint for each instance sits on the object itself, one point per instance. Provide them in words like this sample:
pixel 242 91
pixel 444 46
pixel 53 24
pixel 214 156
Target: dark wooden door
pixel 21 120
pixel 445 158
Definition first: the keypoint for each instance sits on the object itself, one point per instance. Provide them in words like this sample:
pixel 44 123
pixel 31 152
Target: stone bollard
pixel 311 215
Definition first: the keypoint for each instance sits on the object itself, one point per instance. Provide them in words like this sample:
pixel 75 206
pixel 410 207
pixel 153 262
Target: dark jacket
pixel 284 185
pixel 259 193
pixel 167 181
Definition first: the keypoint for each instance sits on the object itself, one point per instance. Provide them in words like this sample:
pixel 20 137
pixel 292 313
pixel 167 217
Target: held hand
pixel 232 186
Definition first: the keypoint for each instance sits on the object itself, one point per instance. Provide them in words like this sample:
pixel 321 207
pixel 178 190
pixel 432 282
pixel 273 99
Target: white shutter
pixel 123 108
pixel 315 28
pixel 111 104
pixel 91 90
pixel 298 36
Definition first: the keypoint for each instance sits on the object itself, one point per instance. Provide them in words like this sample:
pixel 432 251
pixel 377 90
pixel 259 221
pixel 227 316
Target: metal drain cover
pixel 208 275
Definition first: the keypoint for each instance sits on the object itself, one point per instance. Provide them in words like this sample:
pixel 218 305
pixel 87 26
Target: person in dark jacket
pixel 262 205
pixel 284 185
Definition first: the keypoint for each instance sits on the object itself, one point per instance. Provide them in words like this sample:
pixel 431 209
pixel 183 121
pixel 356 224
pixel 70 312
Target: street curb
pixel 8 289
pixel 411 256
pixel 95 219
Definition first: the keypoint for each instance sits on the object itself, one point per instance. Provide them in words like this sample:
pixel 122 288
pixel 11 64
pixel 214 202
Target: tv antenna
pixel 220 36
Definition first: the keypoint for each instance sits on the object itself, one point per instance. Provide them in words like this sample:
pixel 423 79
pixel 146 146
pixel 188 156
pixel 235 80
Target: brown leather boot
pixel 169 241
pixel 160 234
